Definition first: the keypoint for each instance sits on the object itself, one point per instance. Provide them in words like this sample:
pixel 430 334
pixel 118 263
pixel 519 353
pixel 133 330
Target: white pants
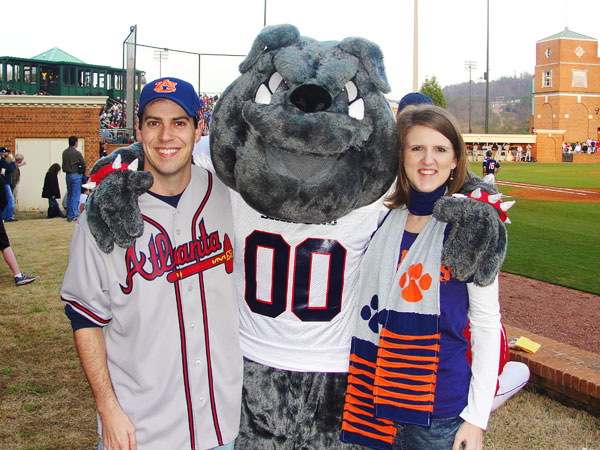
pixel 489 178
pixel 514 376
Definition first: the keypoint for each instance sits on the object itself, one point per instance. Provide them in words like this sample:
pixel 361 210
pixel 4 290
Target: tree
pixel 432 88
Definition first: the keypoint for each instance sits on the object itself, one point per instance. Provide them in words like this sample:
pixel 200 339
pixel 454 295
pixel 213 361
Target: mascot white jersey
pixel 295 283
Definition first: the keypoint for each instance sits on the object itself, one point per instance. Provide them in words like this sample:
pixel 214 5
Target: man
pixel 165 367
pixel 73 165
pixel 490 168
pixel 16 178
pixel 7 167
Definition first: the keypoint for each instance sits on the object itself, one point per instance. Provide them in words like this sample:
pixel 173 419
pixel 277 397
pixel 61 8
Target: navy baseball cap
pixel 414 98
pixel 179 91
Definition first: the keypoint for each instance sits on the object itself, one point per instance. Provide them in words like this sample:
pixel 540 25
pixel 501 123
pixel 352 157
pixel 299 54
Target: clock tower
pixel 566 91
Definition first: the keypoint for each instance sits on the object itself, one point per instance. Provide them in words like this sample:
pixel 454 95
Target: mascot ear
pixel 270 38
pixel 371 58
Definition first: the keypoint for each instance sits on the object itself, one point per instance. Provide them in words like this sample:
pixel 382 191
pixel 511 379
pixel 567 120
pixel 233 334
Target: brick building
pixel 566 94
pixel 38 127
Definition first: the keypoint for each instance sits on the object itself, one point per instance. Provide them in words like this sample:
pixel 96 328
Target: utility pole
pixel 470 65
pixel 487 74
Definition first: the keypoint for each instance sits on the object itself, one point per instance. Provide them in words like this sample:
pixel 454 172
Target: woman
pixel 408 354
pixel 51 191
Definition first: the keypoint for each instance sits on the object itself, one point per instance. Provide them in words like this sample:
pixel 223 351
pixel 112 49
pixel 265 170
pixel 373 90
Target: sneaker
pixel 12 219
pixel 24 279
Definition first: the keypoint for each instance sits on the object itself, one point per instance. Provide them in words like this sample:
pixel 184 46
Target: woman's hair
pixel 439 119
pixel 54 168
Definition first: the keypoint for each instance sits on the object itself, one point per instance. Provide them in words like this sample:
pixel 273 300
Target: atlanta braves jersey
pixel 169 314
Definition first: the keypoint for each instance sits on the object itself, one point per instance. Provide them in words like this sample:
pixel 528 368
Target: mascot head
pixel 305 133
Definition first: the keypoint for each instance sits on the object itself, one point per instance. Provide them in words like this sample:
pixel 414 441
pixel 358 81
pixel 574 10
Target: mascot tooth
pixel 306 141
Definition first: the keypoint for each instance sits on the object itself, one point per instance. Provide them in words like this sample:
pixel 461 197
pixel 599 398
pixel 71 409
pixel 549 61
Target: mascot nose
pixel 310 98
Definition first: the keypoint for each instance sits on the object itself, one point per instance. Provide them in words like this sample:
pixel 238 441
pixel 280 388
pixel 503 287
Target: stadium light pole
pixel 265 15
pixel 487 73
pixel 160 55
pixel 415 48
pixel 470 66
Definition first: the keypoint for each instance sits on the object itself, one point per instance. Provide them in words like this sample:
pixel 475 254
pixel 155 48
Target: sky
pixel 450 33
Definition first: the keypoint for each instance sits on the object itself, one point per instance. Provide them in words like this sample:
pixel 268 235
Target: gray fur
pixel 112 210
pixel 476 245
pixel 308 413
pixel 301 165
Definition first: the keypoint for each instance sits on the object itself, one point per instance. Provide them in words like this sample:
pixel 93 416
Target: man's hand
pixel 470 435
pixel 112 209
pixel 118 432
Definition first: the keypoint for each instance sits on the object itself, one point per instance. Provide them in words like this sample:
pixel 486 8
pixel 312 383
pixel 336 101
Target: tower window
pixel 547 78
pixel 579 78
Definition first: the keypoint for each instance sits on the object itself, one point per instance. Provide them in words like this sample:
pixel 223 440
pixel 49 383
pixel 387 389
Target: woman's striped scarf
pixel 394 353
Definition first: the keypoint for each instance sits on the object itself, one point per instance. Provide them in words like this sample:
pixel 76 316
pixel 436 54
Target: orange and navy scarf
pixel 395 347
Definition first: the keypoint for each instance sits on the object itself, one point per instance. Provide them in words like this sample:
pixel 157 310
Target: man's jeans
pixel 73 193
pixel 7 213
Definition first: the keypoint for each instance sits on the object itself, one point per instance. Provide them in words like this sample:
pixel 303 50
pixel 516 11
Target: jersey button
pixel 198 362
pixel 177 232
pixel 190 288
pixel 192 326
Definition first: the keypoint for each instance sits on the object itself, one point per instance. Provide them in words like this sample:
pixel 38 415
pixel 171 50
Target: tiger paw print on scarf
pixel 413 282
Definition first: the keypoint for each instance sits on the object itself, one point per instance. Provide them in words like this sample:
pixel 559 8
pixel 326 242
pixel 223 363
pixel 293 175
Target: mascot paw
pixel 112 210
pixel 473 182
pixel 476 245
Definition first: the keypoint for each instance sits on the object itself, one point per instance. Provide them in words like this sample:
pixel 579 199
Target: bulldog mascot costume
pixel 306 142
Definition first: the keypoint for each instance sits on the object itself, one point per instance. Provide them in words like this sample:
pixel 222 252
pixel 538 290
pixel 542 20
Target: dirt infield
pixel 557 312
pixel 556 194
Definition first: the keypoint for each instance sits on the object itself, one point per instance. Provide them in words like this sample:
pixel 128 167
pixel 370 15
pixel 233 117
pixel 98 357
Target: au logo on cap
pixel 164 86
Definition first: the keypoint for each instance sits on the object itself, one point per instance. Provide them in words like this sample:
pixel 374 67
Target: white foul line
pixel 546 188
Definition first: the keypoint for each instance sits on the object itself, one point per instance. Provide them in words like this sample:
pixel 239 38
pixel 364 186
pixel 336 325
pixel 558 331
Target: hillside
pixel 510 104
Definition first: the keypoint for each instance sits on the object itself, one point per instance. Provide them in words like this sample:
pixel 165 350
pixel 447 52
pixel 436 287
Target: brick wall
pixel 40 117
pixel 585 158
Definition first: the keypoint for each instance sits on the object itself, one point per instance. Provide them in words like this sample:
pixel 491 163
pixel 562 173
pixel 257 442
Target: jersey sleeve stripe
pixel 86 312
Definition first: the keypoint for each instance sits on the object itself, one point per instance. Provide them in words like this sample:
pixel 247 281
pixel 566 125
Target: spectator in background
pixel 102 153
pixel 21 279
pixel 51 191
pixel 73 165
pixel 7 167
pixel 19 162
pixel 85 192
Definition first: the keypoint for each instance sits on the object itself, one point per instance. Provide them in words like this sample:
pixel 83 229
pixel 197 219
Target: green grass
pixel 553 241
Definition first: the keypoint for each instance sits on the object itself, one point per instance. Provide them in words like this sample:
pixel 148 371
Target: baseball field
pixel 46 404
pixel 555 221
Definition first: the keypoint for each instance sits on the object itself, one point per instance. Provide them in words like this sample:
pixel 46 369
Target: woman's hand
pixel 470 435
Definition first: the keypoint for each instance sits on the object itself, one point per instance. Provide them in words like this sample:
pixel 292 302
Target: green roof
pixel 57 55
pixel 567 34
